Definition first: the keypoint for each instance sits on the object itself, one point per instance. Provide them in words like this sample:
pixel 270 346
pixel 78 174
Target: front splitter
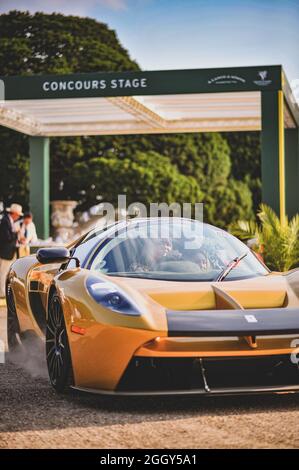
pixel 286 389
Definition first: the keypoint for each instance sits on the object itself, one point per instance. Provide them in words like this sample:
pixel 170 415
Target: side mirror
pixel 54 254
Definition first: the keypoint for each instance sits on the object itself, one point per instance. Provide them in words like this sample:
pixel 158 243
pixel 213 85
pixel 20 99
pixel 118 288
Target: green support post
pixel 39 184
pixel 292 171
pixel 273 152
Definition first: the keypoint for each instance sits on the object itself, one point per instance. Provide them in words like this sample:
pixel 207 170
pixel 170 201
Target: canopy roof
pixel 142 102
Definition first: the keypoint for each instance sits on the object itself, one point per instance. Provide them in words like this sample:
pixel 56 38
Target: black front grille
pixel 186 374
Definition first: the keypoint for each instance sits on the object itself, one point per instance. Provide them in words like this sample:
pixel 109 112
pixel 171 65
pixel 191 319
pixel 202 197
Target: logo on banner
pixel 226 80
pixel 263 78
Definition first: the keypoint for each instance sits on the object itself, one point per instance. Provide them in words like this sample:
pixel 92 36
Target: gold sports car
pixel 158 306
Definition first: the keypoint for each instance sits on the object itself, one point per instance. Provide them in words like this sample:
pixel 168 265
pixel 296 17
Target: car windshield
pixel 174 249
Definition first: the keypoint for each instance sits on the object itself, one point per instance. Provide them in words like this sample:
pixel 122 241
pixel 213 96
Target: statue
pixel 62 219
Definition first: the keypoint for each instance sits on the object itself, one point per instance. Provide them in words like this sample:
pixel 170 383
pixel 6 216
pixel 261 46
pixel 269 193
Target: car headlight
pixel 111 296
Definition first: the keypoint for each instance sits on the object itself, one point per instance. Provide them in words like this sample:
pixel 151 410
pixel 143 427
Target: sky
pixel 175 34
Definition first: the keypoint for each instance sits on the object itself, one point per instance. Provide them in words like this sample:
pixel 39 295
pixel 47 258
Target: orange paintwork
pixel 262 292
pixel 101 355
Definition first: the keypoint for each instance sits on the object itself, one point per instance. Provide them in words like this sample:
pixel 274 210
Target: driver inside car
pixel 153 253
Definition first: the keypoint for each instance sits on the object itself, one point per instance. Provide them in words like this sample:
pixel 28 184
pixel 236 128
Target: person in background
pixel 8 242
pixel 27 235
pixel 28 230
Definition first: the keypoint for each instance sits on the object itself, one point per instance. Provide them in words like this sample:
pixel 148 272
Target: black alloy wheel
pixel 57 348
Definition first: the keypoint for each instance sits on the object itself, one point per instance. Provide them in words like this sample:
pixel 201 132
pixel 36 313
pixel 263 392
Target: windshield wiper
pixel 230 266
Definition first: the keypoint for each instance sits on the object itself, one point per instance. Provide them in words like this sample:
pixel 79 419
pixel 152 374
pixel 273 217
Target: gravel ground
pixel 33 416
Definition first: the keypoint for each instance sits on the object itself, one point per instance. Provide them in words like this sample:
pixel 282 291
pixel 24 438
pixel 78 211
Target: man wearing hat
pixel 8 242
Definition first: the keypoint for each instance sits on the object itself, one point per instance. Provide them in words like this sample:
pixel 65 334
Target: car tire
pixel 13 326
pixel 58 354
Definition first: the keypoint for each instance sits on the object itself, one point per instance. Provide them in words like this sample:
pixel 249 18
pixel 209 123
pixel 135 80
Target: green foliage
pixel 204 157
pixel 14 167
pixel 246 161
pixel 149 177
pixel 278 241
pixel 229 203
pixel 40 43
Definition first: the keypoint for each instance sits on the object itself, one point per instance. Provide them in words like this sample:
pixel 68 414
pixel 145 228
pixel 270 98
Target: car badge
pixel 250 319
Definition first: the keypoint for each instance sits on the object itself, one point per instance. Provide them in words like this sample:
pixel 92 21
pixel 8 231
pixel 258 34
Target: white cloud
pixel 74 7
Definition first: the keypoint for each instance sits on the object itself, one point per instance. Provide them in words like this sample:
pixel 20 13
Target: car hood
pixel 270 291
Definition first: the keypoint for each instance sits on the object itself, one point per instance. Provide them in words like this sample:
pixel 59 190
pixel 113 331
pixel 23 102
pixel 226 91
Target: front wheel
pixel 57 348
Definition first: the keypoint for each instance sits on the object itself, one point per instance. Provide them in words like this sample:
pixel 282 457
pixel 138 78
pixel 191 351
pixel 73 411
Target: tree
pixel 246 161
pixel 14 167
pixel 40 43
pixel 204 157
pixel 229 203
pixel 149 177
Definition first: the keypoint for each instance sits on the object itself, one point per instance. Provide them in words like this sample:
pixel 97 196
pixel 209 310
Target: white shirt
pixel 31 235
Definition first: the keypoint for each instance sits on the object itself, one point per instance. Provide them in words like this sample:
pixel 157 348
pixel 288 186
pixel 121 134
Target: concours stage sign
pixel 143 83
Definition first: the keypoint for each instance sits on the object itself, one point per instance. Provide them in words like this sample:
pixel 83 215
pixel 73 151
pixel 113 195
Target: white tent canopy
pixel 238 111
pixel 134 114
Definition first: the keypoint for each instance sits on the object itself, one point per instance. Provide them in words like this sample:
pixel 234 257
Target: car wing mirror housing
pixel 55 254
